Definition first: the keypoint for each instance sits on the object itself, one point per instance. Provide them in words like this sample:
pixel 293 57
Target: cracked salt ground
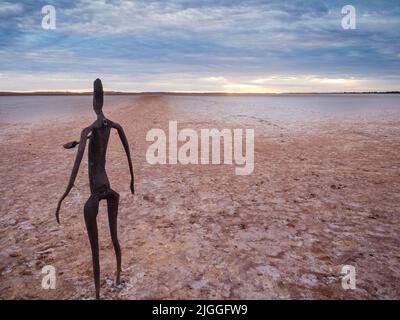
pixel 200 231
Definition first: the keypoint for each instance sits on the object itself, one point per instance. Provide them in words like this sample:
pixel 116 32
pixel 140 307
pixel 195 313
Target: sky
pixel 200 46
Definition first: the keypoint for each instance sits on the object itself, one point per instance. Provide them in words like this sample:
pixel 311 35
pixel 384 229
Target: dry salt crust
pixel 321 196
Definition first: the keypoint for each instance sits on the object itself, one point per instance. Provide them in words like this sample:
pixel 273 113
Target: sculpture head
pixel 97 96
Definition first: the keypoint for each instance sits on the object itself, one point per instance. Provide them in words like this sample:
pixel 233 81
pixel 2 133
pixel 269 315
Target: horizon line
pixel 112 92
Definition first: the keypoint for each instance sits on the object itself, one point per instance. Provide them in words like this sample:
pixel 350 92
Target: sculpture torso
pixel 98 141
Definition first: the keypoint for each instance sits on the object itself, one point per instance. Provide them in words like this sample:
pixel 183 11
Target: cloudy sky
pixel 194 45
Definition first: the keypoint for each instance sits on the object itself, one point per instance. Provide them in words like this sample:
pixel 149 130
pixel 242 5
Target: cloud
pixel 228 44
pixel 8 9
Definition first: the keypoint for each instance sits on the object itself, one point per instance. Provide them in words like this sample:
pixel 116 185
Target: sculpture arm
pixel 75 169
pixel 72 144
pixel 125 144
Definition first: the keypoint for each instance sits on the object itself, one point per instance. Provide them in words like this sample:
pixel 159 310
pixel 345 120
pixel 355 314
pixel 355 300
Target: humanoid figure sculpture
pixel 98 134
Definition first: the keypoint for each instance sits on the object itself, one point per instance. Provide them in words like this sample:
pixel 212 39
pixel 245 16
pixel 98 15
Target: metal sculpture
pixel 98 134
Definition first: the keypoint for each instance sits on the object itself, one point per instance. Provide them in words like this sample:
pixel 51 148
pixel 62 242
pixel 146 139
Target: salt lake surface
pixel 278 109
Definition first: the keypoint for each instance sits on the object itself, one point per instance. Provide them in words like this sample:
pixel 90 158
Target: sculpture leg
pixel 112 204
pixel 90 212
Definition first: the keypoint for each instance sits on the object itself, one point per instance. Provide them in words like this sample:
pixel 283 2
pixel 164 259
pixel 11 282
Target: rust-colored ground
pixel 318 199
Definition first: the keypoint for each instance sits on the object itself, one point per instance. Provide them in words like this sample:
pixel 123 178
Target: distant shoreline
pixel 116 93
